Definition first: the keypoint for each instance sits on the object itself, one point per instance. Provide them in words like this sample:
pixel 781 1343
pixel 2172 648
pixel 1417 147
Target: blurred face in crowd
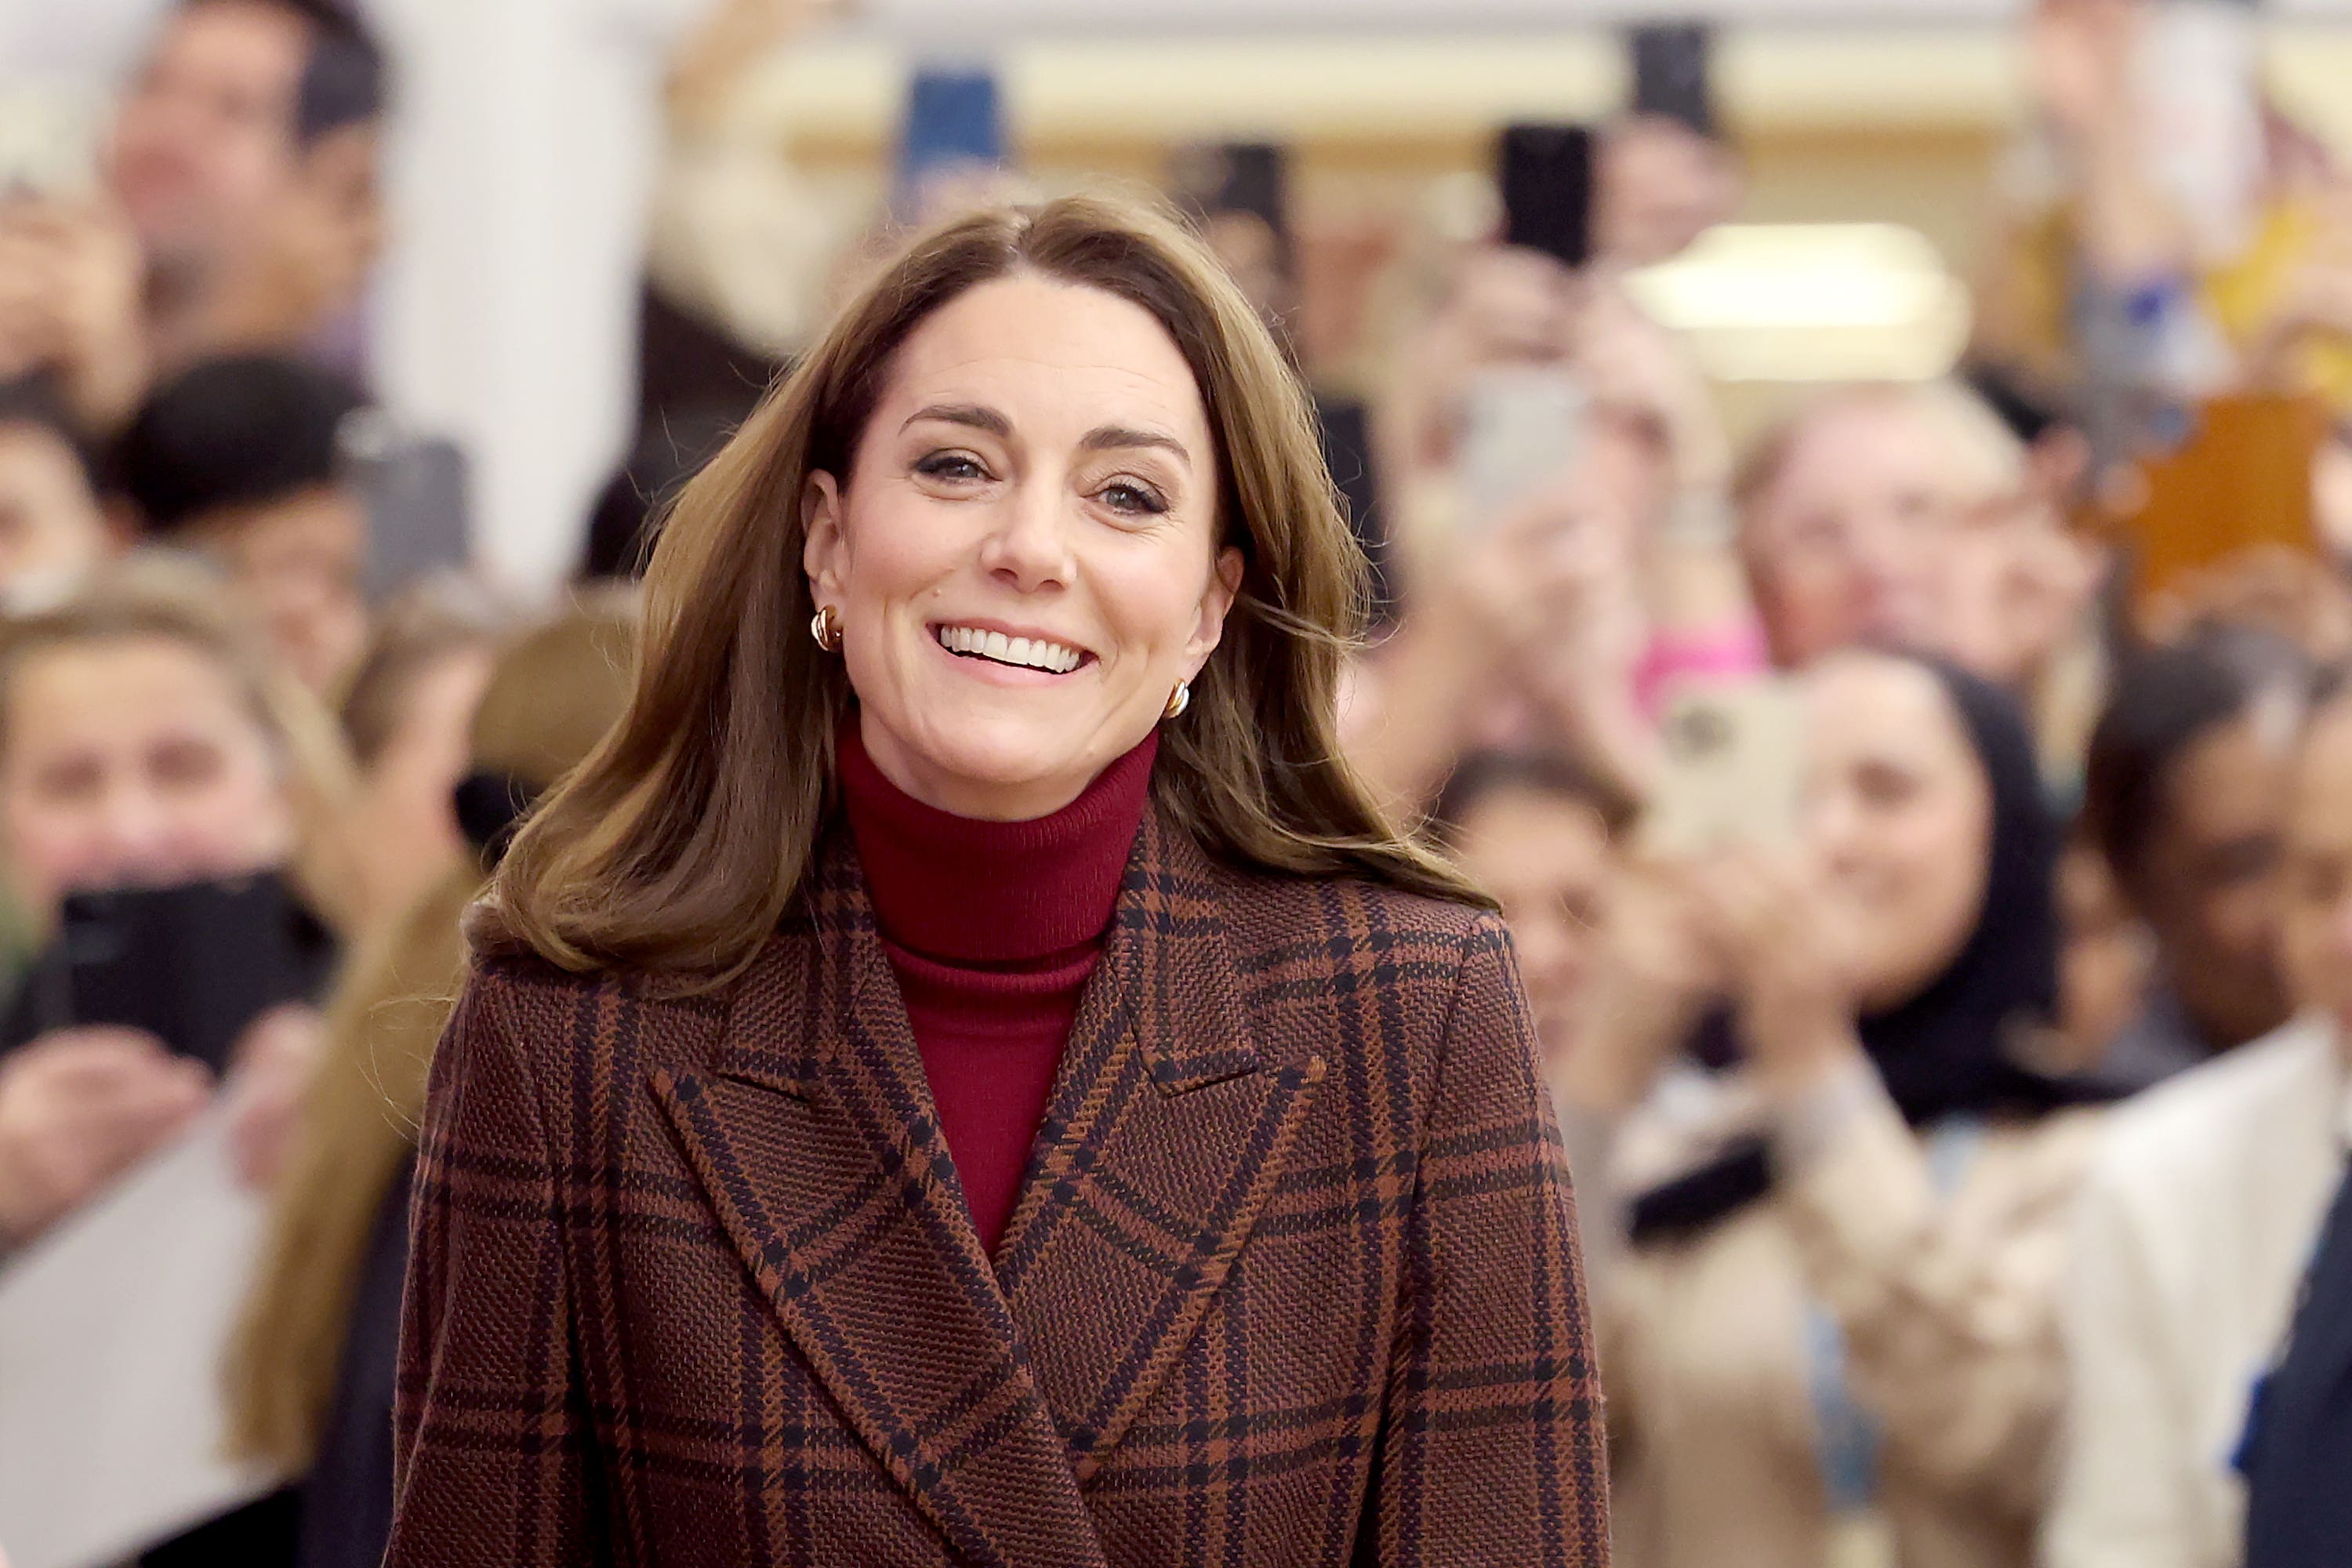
pixel 1025 555
pixel 134 761
pixel 1662 185
pixel 2316 929
pixel 403 826
pixel 301 563
pixel 51 529
pixel 2103 968
pixel 205 136
pixel 1846 542
pixel 1544 857
pixel 1899 812
pixel 2209 889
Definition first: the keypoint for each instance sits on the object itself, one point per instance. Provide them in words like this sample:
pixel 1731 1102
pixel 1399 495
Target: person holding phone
pixel 237 206
pixel 972 1070
pixel 1830 1188
pixel 145 741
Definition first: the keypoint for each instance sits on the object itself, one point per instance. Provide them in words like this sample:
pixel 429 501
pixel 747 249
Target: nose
pixel 1829 823
pixel 1028 547
pixel 135 841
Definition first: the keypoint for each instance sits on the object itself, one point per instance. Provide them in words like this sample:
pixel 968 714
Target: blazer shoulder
pixel 1300 905
pixel 540 1004
pixel 1286 928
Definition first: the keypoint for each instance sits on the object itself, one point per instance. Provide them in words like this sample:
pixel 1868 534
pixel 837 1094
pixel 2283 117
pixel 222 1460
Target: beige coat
pixel 1947 1305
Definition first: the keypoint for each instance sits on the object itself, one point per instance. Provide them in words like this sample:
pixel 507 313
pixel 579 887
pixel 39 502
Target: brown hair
pixel 175 599
pixel 554 692
pixel 678 848
pixel 427 623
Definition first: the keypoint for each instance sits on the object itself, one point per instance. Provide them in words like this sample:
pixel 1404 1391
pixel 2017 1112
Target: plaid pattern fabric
pixel 1292 1278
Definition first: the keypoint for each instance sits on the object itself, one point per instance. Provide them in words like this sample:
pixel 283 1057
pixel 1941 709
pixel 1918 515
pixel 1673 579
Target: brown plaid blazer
pixel 1292 1278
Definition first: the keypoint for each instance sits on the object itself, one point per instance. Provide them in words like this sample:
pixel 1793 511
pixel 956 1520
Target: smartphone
pixel 2236 477
pixel 1671 75
pixel 192 965
pixel 954 125
pixel 1546 176
pixel 1735 765
pixel 1521 425
pixel 2198 83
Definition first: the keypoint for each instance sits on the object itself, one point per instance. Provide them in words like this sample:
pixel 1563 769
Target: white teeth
pixel 1031 653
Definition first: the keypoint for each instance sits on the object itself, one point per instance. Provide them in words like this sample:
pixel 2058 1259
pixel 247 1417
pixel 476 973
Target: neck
pixel 976 891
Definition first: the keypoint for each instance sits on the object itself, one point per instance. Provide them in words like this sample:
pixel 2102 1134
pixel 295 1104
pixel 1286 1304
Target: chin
pixel 1005 751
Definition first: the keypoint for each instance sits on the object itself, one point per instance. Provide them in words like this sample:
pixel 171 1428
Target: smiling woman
pixel 929 1075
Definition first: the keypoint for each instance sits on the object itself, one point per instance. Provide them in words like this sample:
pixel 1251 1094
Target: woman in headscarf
pixel 1828 1186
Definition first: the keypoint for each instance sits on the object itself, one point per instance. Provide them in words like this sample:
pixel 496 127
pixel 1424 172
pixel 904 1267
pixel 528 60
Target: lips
pixel 1020 652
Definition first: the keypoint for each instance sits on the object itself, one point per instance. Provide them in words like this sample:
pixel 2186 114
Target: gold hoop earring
pixel 825 627
pixel 1178 701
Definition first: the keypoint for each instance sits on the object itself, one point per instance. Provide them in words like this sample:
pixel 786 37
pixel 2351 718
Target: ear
pixel 1224 587
pixel 824 555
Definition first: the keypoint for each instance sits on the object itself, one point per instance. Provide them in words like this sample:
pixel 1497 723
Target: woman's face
pixel 1900 814
pixel 1846 544
pixel 1545 859
pixel 1025 556
pixel 135 761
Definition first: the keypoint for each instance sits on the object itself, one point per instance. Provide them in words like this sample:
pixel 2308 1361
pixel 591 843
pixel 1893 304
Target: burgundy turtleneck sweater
pixel 994 929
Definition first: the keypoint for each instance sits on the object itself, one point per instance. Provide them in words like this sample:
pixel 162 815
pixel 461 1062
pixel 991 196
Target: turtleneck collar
pixel 961 891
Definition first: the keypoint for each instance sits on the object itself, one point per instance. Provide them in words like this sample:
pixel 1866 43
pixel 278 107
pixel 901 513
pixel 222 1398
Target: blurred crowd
pixel 1956 1080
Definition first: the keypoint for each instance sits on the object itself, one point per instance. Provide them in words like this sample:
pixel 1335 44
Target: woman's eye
pixel 1135 500
pixel 952 466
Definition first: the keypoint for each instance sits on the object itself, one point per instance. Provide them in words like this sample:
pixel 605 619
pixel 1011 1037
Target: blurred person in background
pixel 406 716
pixel 53 529
pixel 238 208
pixel 1558 622
pixel 1866 513
pixel 310 1374
pixel 145 740
pixel 1540 833
pixel 2106 966
pixel 1663 182
pixel 2196 1227
pixel 1829 1221
pixel 244 460
pixel 2185 793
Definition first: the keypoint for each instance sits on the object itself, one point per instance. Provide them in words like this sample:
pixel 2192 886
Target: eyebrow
pixel 968 413
pixel 1102 438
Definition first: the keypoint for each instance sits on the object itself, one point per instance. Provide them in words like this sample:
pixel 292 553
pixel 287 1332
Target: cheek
pixel 1149 598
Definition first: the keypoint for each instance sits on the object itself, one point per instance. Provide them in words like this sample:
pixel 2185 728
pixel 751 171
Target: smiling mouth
pixel 1020 653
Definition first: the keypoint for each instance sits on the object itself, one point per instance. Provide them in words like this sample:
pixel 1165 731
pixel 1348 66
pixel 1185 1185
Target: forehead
pixel 250 39
pixel 98 682
pixel 1860 705
pixel 2322 808
pixel 1063 352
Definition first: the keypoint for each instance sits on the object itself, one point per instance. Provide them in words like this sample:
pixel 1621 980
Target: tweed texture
pixel 1292 1278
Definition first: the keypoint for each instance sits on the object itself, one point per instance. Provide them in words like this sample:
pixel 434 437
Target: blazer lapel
pixel 817 1140
pixel 1164 1136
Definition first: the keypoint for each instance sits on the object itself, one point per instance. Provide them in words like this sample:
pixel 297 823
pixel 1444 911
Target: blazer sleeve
pixel 1491 1439
pixel 490 1461
pixel 1951 1329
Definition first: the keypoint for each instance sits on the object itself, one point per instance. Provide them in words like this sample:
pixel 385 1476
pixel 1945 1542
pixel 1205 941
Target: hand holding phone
pixel 1734 766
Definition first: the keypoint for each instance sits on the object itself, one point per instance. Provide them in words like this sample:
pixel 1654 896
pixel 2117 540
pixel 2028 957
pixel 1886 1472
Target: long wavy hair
pixel 676 849
pixel 555 689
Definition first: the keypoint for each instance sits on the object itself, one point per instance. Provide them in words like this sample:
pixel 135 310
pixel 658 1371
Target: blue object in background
pixel 955 123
